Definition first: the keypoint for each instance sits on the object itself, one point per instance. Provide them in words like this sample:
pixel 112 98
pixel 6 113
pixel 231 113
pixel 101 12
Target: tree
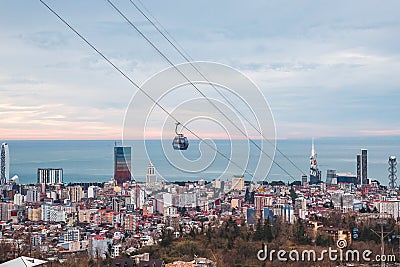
pixel 293 194
pixel 91 262
pixel 166 237
pixel 193 232
pixel 183 211
pixel 300 233
pixel 209 233
pixel 324 240
pixel 252 197
pixel 259 233
pixel 267 230
pixel 108 254
pixel 247 195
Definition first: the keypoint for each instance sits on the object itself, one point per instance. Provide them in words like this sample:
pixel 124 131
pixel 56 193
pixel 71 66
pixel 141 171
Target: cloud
pixel 57 121
pixel 323 67
pixel 18 80
pixel 44 39
pixel 381 132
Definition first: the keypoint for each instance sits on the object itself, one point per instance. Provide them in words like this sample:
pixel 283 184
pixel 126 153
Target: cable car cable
pixel 197 89
pixel 138 87
pixel 189 59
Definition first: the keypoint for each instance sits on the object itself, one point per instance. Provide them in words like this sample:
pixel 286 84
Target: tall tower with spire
pixel 151 176
pixel 315 174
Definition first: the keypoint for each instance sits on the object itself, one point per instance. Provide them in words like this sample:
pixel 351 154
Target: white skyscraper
pixel 5 164
pixel 151 176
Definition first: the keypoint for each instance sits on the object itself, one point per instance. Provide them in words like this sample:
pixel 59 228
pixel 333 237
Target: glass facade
pixel 331 177
pixel 346 178
pixel 122 164
pixel 364 166
pixel 359 181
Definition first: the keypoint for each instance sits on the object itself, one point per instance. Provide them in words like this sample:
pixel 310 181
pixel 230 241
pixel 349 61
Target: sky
pixel 326 68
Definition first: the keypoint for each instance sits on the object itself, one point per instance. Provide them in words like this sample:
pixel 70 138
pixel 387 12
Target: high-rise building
pixel 346 178
pixel 122 164
pixel 5 211
pixel 300 203
pixel 5 164
pixel 129 222
pixel 304 180
pixel 52 213
pixel 117 204
pixel 32 196
pixel 392 172
pixel 19 199
pixel 336 198
pixel 138 197
pixel 98 246
pixel 75 193
pixel 347 202
pixel 287 213
pixel 364 167
pixel 151 176
pixel 93 191
pixel 391 207
pixel 72 234
pixel 261 201
pixel 331 177
pixel 50 176
pixel 251 217
pixel 315 174
pixel 359 180
pixel 237 183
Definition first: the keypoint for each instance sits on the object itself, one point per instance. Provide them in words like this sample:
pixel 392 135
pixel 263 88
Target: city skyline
pixel 93 160
pixel 326 70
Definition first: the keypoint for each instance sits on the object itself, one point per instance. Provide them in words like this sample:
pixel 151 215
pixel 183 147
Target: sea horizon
pixel 155 139
pixel 92 160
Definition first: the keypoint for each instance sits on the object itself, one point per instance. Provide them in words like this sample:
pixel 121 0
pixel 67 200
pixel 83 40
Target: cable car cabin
pixel 180 142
